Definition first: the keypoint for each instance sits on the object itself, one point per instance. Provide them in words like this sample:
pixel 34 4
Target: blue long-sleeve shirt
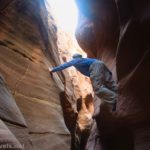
pixel 81 64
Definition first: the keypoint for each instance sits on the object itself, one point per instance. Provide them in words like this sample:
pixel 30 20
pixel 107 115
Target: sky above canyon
pixel 65 13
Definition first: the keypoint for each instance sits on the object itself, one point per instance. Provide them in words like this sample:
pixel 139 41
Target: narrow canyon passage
pixel 43 112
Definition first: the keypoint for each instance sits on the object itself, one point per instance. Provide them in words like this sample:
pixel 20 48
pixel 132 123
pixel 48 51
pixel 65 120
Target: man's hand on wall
pixel 50 71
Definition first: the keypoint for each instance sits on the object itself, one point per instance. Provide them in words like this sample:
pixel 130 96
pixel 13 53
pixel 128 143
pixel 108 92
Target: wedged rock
pixel 7 139
pixel 9 110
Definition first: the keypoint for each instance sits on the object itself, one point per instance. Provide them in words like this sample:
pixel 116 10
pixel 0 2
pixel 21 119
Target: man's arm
pixel 65 65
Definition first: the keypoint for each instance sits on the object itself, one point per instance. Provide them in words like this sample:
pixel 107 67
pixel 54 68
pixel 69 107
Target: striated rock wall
pixel 29 98
pixel 39 111
pixel 118 33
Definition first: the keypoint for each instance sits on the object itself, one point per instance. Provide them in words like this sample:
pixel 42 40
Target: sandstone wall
pixel 29 98
pixel 118 33
pixel 39 111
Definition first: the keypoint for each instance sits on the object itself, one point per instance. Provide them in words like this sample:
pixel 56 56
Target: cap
pixel 77 55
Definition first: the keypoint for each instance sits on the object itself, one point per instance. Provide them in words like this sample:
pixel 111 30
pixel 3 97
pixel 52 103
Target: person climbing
pixel 101 77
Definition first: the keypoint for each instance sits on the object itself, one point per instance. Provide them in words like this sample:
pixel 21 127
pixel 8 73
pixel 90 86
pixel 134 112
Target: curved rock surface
pixel 127 55
pixel 98 30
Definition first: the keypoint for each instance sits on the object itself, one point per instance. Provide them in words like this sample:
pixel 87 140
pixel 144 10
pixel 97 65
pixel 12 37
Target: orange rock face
pixel 29 98
pixel 40 111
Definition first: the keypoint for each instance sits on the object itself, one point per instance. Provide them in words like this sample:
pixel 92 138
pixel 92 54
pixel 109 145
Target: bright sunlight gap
pixel 65 13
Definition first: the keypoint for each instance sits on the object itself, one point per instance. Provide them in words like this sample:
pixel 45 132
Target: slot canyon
pixel 61 112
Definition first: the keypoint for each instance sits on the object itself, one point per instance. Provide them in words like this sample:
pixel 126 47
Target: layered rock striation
pixel 39 111
pixel 29 98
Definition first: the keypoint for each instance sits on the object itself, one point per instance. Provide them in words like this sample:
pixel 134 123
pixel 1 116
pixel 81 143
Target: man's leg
pixel 107 96
pixel 98 72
